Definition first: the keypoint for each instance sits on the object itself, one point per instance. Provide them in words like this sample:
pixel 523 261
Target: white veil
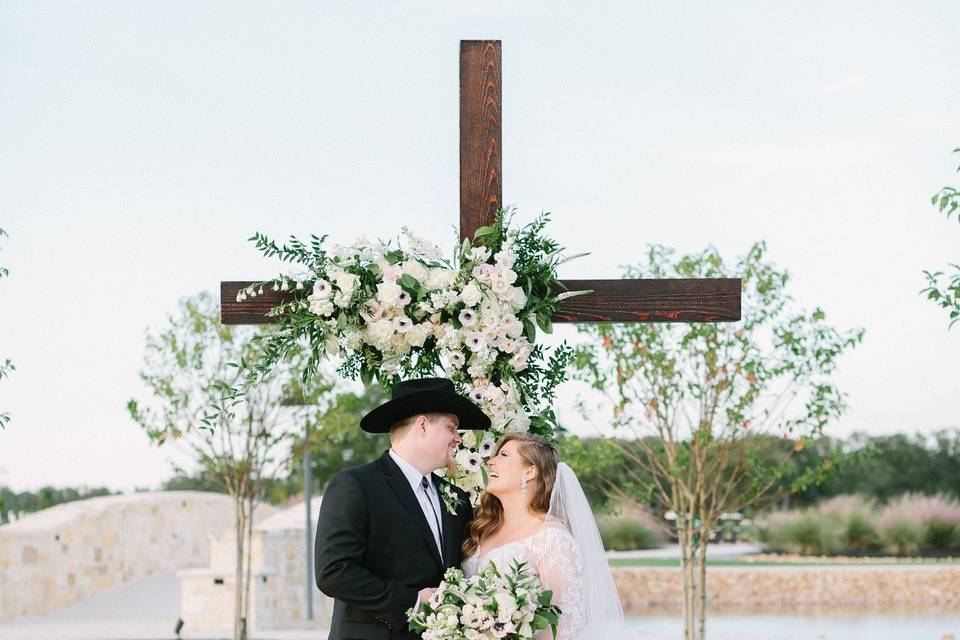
pixel 568 504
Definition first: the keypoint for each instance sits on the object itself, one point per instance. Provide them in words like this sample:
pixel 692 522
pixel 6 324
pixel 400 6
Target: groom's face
pixel 439 438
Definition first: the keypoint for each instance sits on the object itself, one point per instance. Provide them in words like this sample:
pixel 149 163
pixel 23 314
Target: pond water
pixel 805 624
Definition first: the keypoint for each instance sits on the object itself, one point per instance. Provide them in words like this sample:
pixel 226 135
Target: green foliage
pixel 942 288
pixel 852 525
pixel 620 533
pixel 341 331
pixel 15 505
pixel 882 467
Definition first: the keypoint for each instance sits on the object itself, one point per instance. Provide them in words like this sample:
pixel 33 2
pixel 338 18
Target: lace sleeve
pixel 561 571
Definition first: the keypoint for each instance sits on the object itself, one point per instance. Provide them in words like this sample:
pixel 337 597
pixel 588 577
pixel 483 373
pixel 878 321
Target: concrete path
pixel 716 552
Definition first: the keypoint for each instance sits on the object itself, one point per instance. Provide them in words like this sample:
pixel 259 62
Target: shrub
pixel 622 533
pixel 915 521
pixel 805 532
pixel 854 517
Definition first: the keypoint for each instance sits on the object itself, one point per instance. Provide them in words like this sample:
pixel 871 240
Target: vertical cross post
pixel 481 112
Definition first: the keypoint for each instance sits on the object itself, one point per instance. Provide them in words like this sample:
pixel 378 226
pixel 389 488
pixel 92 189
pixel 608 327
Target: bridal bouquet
pixel 391 311
pixel 490 605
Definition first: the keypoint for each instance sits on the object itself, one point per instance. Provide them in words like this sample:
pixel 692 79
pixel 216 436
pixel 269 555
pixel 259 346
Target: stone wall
pixel 57 556
pixel 866 586
pixel 278 588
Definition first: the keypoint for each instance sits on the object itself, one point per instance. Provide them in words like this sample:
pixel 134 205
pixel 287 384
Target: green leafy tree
pixel 705 390
pixel 6 366
pixel 942 288
pixel 191 365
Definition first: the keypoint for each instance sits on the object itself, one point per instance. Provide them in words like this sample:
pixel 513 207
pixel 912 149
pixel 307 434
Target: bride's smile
pixel 507 470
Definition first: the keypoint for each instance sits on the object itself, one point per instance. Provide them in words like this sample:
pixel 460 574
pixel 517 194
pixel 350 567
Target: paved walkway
pixel 716 552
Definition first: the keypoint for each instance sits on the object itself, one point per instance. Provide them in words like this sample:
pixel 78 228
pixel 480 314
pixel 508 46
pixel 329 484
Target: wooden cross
pixel 621 300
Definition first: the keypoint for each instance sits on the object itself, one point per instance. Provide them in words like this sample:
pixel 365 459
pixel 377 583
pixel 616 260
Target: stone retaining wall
pixel 870 586
pixel 59 555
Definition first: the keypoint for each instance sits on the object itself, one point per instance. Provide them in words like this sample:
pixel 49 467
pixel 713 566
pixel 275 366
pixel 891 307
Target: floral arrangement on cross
pixel 390 311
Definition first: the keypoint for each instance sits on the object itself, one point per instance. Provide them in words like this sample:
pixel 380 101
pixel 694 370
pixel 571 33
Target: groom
pixel 384 534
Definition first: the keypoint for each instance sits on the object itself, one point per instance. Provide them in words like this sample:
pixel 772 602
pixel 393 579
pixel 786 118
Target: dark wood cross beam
pixel 644 300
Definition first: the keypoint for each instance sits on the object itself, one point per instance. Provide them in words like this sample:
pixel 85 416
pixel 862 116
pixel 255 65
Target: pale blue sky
pixel 141 143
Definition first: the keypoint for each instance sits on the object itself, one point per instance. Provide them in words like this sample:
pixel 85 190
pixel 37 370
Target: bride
pixel 534 510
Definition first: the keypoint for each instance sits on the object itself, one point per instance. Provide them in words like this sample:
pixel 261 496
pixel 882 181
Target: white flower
pixel 332 346
pixel 478 254
pixel 485 273
pixel 380 332
pixel 399 342
pixel 468 317
pixel 353 339
pixel 339 251
pixel 495 395
pixel 477 393
pixel 508 275
pixel 470 295
pixel 456 359
pixel 519 360
pixel 417 335
pixel 321 290
pixel 505 258
pixel 475 341
pixel 389 293
pixel 486 446
pixel 440 278
pixel 320 307
pixel 373 312
pixel 490 321
pixel 346 282
pixel 517 298
pixel 392 273
pixel 470 439
pixel 403 299
pixel 415 270
pixel 500 287
pixel 511 326
pixel 402 324
pixel 341 299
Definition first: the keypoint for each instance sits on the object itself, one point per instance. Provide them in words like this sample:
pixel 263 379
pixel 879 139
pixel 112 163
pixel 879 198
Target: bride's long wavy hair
pixel 534 450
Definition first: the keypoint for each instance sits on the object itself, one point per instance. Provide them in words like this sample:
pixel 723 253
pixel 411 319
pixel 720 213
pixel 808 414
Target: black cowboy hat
pixel 424 395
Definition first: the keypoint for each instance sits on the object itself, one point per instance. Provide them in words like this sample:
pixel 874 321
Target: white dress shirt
pixel 430 504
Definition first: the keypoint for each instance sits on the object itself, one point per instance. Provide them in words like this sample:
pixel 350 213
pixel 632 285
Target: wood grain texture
pixel 481 100
pixel 650 300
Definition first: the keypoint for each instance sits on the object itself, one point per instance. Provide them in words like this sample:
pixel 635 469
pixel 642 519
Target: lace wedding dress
pixel 554 556
pixel 568 556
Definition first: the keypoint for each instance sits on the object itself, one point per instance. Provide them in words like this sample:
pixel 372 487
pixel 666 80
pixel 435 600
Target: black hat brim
pixel 389 413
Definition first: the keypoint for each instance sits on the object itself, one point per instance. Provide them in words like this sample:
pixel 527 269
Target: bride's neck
pixel 516 509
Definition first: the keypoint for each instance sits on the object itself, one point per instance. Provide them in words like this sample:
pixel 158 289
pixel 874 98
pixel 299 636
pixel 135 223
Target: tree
pixel 6 366
pixel 190 366
pixel 705 391
pixel 943 289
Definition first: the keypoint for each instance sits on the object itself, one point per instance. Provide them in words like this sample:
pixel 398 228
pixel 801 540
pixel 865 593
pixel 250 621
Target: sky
pixel 142 143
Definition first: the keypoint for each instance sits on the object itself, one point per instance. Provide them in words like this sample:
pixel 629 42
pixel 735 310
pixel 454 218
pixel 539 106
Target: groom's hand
pixel 425 594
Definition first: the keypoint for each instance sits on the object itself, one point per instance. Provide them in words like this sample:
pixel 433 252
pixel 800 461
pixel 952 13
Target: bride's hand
pixel 425 593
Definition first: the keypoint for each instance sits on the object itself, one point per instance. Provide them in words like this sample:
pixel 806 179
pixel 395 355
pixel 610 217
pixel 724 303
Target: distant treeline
pixel 878 467
pixel 14 504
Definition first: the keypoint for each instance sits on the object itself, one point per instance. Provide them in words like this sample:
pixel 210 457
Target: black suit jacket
pixel 375 550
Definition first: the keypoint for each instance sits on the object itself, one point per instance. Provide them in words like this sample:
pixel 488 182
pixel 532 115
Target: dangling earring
pixel 523 484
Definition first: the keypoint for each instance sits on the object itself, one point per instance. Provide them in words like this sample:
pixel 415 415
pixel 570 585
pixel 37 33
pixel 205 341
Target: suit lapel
pixel 398 482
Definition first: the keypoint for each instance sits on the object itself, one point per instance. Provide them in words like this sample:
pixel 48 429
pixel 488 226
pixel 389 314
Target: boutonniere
pixel 450 498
